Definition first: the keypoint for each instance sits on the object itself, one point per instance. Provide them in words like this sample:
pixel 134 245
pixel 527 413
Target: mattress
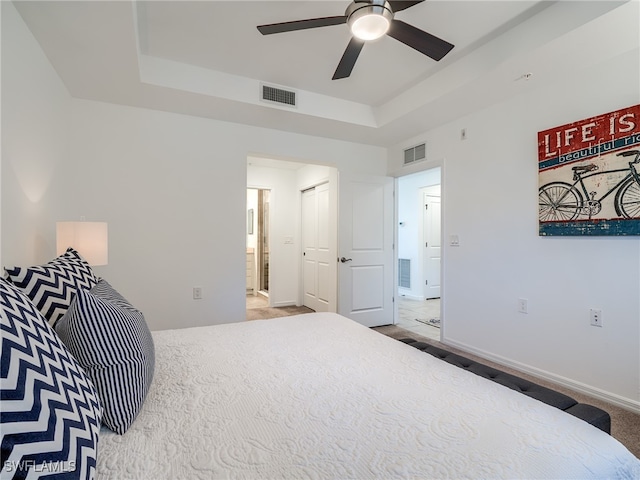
pixel 320 396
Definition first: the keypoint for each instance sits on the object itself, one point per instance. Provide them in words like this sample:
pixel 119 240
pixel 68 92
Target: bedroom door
pixel 365 249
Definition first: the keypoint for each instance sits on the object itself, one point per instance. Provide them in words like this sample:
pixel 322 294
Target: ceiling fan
pixel 369 20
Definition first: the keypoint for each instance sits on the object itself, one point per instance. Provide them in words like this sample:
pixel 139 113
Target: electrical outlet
pixel 522 305
pixel 596 317
pixel 197 293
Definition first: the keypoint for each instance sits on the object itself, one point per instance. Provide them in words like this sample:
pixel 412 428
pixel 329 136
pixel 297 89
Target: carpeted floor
pixel 625 425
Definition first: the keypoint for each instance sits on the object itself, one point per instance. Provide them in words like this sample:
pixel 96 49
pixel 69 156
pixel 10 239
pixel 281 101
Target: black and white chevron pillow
pixel 51 287
pixel 112 342
pixel 50 415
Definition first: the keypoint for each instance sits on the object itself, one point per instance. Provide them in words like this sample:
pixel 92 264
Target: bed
pixel 320 396
pixel 309 396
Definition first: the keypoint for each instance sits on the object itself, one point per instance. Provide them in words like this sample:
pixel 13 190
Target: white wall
pixel 173 189
pixel 35 142
pixel 490 184
pixel 0 137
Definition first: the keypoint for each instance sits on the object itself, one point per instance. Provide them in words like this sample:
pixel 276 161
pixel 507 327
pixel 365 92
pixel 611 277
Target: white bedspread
pixel 319 396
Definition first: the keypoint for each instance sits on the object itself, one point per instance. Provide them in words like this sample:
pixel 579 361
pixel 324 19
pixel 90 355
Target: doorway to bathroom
pixel 258 201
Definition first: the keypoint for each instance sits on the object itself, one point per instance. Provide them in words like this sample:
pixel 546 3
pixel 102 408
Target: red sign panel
pixel 589 138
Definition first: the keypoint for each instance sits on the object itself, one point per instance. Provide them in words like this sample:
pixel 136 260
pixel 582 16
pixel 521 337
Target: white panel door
pixel 317 281
pixel 365 249
pixel 432 247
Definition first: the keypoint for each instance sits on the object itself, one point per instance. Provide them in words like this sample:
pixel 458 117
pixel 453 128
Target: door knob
pixel 345 260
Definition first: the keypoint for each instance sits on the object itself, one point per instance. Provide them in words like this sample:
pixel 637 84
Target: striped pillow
pixel 50 415
pixel 112 342
pixel 51 287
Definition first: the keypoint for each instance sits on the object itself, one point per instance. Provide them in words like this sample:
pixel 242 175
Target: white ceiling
pixel 306 60
pixel 206 58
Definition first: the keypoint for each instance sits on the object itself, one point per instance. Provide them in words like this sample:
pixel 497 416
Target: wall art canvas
pixel 589 176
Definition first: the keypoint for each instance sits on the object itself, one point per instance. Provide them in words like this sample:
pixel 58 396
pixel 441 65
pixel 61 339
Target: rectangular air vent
pixel 280 96
pixel 415 154
pixel 404 272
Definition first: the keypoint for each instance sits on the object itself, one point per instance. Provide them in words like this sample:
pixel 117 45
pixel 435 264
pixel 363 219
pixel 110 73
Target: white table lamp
pixel 89 239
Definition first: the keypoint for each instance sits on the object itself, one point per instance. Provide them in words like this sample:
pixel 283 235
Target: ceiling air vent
pixel 415 154
pixel 272 94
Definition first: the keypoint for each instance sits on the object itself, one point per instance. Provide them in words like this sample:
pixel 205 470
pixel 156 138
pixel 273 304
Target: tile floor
pixel 410 311
pixel 257 301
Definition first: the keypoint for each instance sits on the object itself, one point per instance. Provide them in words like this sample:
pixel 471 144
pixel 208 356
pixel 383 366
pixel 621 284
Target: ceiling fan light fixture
pixel 370 21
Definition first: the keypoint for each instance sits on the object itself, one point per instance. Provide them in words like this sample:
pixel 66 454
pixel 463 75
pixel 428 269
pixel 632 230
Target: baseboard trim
pixel 412 297
pixel 619 401
pixel 285 304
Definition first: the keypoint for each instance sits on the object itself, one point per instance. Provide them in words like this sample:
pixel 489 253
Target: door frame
pixel 263 233
pixel 424 166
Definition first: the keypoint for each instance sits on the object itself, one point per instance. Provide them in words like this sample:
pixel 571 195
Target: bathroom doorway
pixel 258 201
pixel 263 241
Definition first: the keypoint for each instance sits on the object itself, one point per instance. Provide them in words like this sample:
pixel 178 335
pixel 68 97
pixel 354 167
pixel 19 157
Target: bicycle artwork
pixel 589 176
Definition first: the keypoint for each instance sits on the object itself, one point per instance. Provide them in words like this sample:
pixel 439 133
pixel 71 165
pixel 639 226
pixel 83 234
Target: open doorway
pixel 282 246
pixel 419 247
pixel 258 202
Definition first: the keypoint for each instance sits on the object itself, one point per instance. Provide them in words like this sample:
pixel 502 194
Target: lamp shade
pixel 89 239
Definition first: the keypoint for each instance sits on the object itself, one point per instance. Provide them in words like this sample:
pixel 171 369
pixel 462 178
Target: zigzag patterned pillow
pixel 112 342
pixel 51 287
pixel 50 416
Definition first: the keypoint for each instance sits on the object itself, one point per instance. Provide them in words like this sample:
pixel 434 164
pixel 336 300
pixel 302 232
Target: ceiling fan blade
pixel 398 6
pixel 301 24
pixel 348 60
pixel 424 42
